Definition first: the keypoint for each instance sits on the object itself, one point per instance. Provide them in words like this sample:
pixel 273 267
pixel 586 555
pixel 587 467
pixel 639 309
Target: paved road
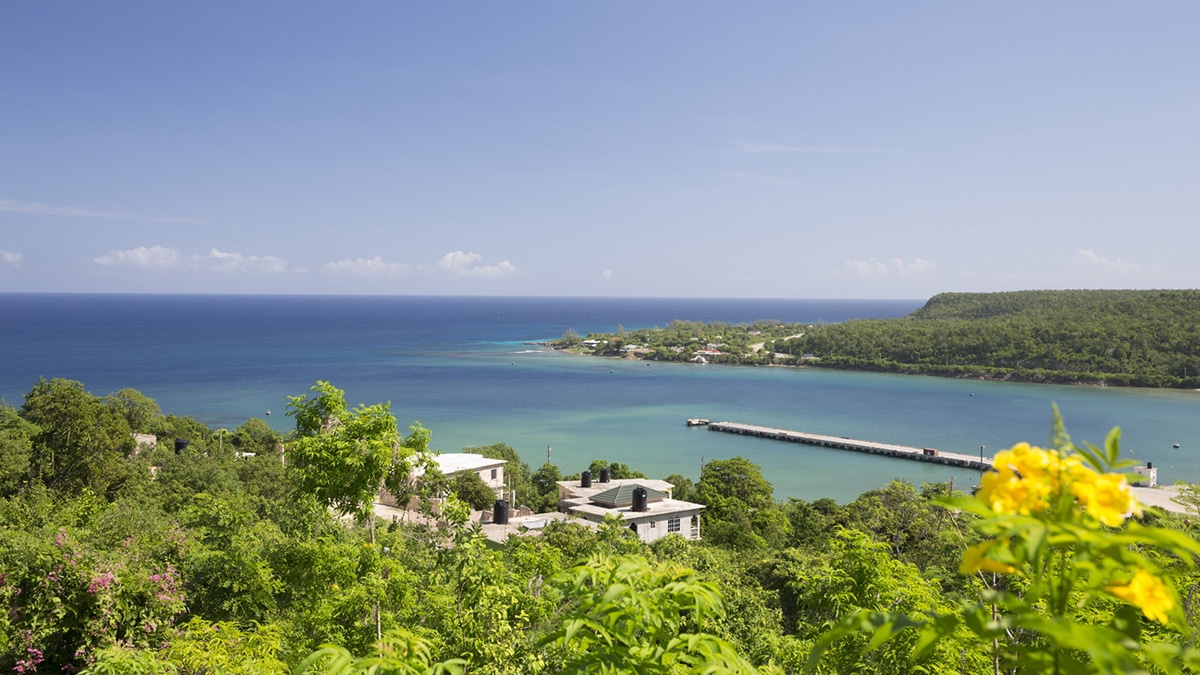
pixel 1160 497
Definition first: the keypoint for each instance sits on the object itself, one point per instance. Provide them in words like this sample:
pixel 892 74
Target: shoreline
pixel 1010 377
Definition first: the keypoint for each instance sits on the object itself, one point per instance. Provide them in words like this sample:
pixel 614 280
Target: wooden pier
pixel 886 449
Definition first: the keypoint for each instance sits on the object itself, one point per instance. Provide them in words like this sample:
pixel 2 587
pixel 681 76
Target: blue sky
pixel 819 150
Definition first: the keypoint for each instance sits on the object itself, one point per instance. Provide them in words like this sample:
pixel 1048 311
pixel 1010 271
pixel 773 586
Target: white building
pixel 645 505
pixel 491 471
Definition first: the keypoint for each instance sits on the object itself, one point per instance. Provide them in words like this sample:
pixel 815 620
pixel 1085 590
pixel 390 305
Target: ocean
pixel 462 366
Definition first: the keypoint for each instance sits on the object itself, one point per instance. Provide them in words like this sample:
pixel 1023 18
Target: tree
pixel 517 476
pixel 170 427
pixel 741 512
pixel 545 483
pixel 343 454
pixel 628 616
pixel 685 489
pixel 16 447
pixel 138 409
pixel 724 482
pixel 470 488
pixel 916 529
pixel 80 442
pixel 616 470
pixel 255 435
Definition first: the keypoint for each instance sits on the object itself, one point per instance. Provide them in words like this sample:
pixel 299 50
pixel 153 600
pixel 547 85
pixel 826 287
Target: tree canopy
pixel 1127 338
pixel 202 560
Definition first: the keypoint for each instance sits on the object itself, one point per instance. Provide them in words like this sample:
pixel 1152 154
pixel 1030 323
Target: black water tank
pixel 1149 465
pixel 604 475
pixel 500 512
pixel 585 479
pixel 181 444
pixel 639 498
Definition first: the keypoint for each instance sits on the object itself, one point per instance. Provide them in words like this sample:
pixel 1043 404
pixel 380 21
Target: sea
pixel 469 369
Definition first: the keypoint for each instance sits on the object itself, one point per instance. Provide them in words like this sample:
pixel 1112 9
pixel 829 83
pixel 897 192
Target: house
pixel 644 504
pixel 454 463
pixel 490 470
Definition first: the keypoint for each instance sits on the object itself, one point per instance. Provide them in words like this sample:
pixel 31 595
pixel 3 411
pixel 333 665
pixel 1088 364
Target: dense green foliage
pixel 1128 338
pixel 209 559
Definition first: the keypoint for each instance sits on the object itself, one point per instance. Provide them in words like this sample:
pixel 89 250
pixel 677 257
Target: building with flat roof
pixel 491 471
pixel 645 504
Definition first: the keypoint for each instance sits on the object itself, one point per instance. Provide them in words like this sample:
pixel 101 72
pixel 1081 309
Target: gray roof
pixel 622 495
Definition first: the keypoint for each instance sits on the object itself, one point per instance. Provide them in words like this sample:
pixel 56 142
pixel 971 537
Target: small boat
pixel 268 413
pixel 697 422
pixel 1176 445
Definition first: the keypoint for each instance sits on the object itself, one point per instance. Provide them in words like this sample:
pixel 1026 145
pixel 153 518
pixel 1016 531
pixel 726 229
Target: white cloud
pixel 155 257
pixel 9 258
pixel 463 264
pixel 220 261
pixel 457 260
pixel 898 267
pixel 455 263
pixel 1090 260
pixel 606 275
pixel 36 209
pixel 166 258
pixel 367 267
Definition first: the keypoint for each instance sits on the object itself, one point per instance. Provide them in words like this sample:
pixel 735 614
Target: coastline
pixel 981 377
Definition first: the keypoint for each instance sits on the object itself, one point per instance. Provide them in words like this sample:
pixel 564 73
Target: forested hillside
pixel 211 553
pixel 1125 338
pixel 1134 338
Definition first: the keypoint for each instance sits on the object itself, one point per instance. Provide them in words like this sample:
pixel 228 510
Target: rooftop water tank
pixel 639 498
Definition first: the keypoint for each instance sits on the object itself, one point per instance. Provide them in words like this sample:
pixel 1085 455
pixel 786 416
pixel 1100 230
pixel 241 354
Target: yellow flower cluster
pixel 1148 593
pixel 1026 478
pixel 975 560
pixel 1023 480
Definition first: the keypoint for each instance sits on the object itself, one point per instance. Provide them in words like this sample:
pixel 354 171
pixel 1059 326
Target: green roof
pixel 622 495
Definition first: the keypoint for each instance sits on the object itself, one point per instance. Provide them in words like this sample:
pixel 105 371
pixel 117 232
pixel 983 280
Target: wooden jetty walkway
pixel 841 443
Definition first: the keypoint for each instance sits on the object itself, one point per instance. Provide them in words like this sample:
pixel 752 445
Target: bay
pixel 461 366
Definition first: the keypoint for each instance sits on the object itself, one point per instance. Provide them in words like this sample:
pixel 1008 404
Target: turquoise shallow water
pixel 461 367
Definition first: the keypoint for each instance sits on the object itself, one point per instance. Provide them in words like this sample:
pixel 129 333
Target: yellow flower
pixel 974 560
pixel 1148 593
pixel 1106 497
pixel 1023 479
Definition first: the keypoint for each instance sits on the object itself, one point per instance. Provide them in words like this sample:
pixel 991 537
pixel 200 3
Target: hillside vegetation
pixel 1127 338
pixel 195 551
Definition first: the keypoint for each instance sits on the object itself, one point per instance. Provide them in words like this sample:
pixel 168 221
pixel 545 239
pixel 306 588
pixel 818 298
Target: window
pixel 673 524
pixel 653 524
pixel 493 474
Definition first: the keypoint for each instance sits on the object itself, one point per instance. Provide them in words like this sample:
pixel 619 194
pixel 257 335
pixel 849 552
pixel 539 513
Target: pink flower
pixel 101 582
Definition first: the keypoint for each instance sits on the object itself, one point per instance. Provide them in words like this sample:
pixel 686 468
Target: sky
pixel 661 149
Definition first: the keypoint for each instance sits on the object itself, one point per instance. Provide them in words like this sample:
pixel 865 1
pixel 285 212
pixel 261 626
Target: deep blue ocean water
pixel 461 366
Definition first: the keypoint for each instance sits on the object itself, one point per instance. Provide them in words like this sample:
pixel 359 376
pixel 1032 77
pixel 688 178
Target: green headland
pixel 1099 337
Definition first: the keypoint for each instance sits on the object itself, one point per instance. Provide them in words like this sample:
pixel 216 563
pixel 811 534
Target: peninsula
pixel 1098 337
